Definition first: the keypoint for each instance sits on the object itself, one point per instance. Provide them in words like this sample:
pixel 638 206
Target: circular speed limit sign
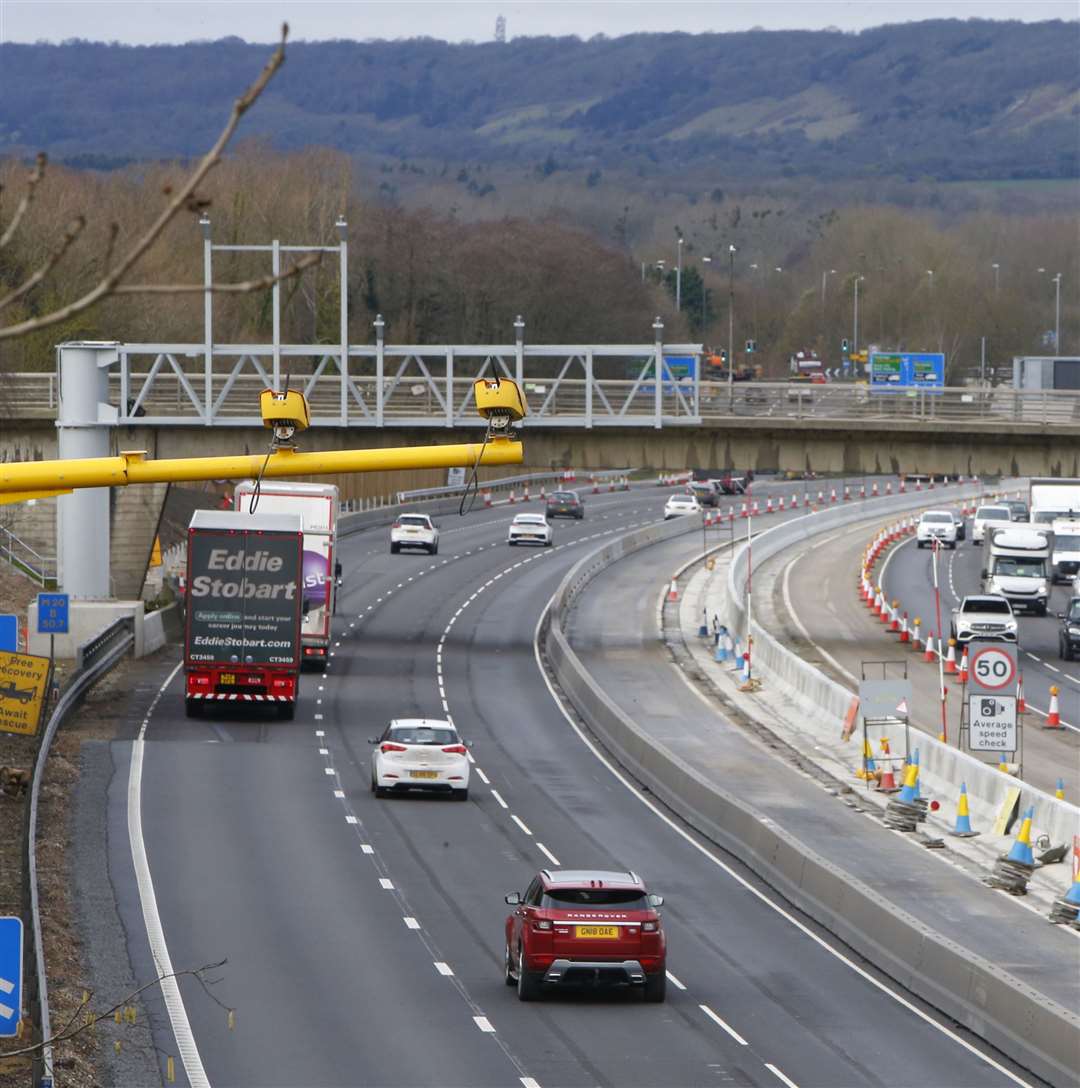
pixel 993 668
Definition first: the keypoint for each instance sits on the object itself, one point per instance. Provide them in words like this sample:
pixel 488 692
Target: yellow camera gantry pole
pixel 499 402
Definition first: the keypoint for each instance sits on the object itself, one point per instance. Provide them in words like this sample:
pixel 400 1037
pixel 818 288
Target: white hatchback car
pixel 678 505
pixel 414 531
pixel 530 529
pixel 420 754
pixel 989 517
pixel 936 525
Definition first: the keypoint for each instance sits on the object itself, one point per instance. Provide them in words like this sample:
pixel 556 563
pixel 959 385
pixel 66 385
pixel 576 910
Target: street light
pixel 704 294
pixel 824 279
pixel 855 326
pixel 996 267
pixel 930 273
pixel 660 268
pixel 678 279
pixel 731 325
pixel 1057 315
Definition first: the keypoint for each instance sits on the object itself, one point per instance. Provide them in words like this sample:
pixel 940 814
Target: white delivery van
pixel 1065 559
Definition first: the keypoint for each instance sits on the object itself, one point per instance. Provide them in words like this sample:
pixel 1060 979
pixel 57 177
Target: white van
pixel 1065 560
pixel 1018 568
pixel 993 516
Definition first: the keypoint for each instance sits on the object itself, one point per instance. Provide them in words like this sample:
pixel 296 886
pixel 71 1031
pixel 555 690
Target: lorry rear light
pixel 455 749
pixel 389 747
pixel 280 682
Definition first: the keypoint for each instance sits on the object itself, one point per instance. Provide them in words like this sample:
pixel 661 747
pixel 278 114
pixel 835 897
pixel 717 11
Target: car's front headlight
pixel 1075 632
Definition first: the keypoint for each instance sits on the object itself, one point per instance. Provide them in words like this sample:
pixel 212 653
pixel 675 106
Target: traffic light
pixel 751 346
pixel 723 356
pixel 843 346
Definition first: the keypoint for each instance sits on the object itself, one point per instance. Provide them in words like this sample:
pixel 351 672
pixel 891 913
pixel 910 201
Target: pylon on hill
pixel 905 634
pixel 950 658
pixel 673 591
pixel 929 654
pixel 1053 718
pixel 964 666
pixel 916 633
pixel 963 816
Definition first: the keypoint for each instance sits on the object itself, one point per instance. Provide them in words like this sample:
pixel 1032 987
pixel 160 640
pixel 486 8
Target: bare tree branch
pixel 66 1032
pixel 28 198
pixel 75 228
pixel 184 198
pixel 244 287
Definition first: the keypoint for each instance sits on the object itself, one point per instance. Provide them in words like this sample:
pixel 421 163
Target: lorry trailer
pixel 242 632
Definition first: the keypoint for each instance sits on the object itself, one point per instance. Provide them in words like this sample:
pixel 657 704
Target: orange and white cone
pixel 887 782
pixel 768 505
pixel 595 486
pixel 820 497
pixel 511 500
pixel 525 493
pixel 874 490
pixel 743 511
pixel 487 496
pixel 1053 718
pixel 888 487
pixel 847 494
pixel 905 634
pixel 903 487
pixel 862 491
pixel 780 507
pixel 964 666
pixel 832 495
pixel 1021 706
pixel 950 658
pixel 930 654
pixel 794 502
pixel 673 591
pixel 543 495
pixel 916 633
pixel 894 616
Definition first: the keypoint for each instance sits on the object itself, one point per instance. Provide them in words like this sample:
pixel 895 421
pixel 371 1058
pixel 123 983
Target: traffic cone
pixel 950 657
pixel 905 634
pixel 673 591
pixel 915 760
pixel 918 485
pixel 1021 848
pixel 525 494
pixel 887 783
pixel 903 487
pixel 595 486
pixel 910 789
pixel 963 817
pixel 721 651
pixel 511 500
pixel 862 491
pixel 745 677
pixel 874 490
pixel 743 511
pixel 931 482
pixel 832 495
pixel 964 666
pixel 1059 793
pixel 794 502
pixel 847 494
pixel 1053 718
pixel 894 616
pixel 543 496
pixel 487 496
pixel 1021 706
pixel 868 769
pixel 888 487
pixel 929 654
pixel 768 505
pixel 916 633
pixel 820 497
pixel 703 627
pixel 780 507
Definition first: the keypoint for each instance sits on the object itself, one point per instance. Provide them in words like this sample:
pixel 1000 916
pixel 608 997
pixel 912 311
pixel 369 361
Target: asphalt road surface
pixel 364 937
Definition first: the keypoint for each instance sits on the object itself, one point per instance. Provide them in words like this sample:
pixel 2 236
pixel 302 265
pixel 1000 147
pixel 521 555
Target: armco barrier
pixel 826 698
pixel 995 1005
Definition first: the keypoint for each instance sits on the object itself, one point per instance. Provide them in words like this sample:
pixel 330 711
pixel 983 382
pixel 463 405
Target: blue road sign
pixel 11 942
pixel 52 613
pixel 9 634
pixel 902 372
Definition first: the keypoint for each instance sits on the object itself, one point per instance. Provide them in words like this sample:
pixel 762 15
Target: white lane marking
pixel 351 820
pixel 320 732
pixel 410 923
pixel 529 1082
pixel 780 1076
pixel 517 820
pixel 386 884
pixel 498 797
pixel 170 990
pixel 756 892
pixel 483 1023
pixel 324 751
pixel 483 777
pixel 339 794
pixel 365 848
pixel 674 981
pixel 548 854
pixel 1052 668
pixel 726 1026
pixel 318 717
pixel 328 770
pixel 443 968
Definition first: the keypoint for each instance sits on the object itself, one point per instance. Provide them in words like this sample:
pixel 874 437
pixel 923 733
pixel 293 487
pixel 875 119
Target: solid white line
pixel 498 797
pixel 805 930
pixel 674 981
pixel 517 820
pixel 410 923
pixel 170 991
pixel 483 1023
pixel 727 1027
pixel 483 777
pixel 386 884
pixel 443 968
pixel 780 1076
pixel 548 854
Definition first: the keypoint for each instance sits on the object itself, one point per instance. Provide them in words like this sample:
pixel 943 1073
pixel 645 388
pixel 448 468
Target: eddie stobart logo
pixel 248 589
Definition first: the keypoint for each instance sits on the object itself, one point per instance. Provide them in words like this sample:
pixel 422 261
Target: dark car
pixel 1069 638
pixel 705 491
pixel 565 504
pixel 585 928
pixel 1017 509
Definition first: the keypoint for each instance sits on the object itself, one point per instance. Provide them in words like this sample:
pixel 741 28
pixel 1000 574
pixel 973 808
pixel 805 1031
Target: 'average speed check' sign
pixel 992 723
pixel 993 668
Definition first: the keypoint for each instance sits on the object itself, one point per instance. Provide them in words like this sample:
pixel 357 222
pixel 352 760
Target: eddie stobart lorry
pixel 242 639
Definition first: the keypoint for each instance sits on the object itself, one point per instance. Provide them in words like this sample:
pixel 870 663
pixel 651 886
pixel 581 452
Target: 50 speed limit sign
pixel 993 668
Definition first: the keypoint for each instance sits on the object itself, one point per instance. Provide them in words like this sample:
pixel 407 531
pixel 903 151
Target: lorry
pixel 317 505
pixel 1053 497
pixel 242 631
pixel 1018 567
pixel 1065 559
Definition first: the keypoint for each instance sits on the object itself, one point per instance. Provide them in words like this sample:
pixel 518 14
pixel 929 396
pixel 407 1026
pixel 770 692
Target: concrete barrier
pixel 997 1006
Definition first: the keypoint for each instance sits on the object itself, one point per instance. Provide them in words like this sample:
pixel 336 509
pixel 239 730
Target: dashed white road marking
pixel 483 1023
pixel 498 797
pixel 517 819
pixel 365 848
pixel 339 794
pixel 351 820
pixel 780 1076
pixel 328 770
pixel 443 968
pixel 724 1024
pixel 674 981
pixel 548 854
pixel 483 777
pixel 386 884
pixel 410 923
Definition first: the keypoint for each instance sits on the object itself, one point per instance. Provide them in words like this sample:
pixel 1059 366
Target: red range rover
pixel 585 928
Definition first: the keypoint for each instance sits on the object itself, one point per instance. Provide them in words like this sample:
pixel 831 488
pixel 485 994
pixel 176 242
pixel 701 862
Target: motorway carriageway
pixel 365 938
pixel 816 589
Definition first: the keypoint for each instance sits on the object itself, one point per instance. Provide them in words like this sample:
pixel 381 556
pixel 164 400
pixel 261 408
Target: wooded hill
pixel 944 100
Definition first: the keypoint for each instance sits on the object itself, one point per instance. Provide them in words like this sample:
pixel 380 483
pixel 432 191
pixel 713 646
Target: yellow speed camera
pixel 285 412
pixel 499 401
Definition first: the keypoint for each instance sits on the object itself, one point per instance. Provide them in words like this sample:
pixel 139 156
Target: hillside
pixel 941 100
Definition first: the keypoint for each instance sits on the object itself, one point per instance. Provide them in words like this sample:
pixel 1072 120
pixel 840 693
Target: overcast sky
pixel 146 21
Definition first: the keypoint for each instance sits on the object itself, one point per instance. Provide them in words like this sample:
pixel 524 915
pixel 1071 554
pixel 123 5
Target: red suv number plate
pixel 594 933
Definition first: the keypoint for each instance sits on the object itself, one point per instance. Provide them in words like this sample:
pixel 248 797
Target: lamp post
pixel 824 280
pixel 1057 314
pixel 731 324
pixel 678 278
pixel 855 324
pixel 930 274
pixel 704 294
pixel 660 267
pixel 997 283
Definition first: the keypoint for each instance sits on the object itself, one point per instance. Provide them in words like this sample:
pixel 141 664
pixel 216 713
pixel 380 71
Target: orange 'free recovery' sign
pixel 24 682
